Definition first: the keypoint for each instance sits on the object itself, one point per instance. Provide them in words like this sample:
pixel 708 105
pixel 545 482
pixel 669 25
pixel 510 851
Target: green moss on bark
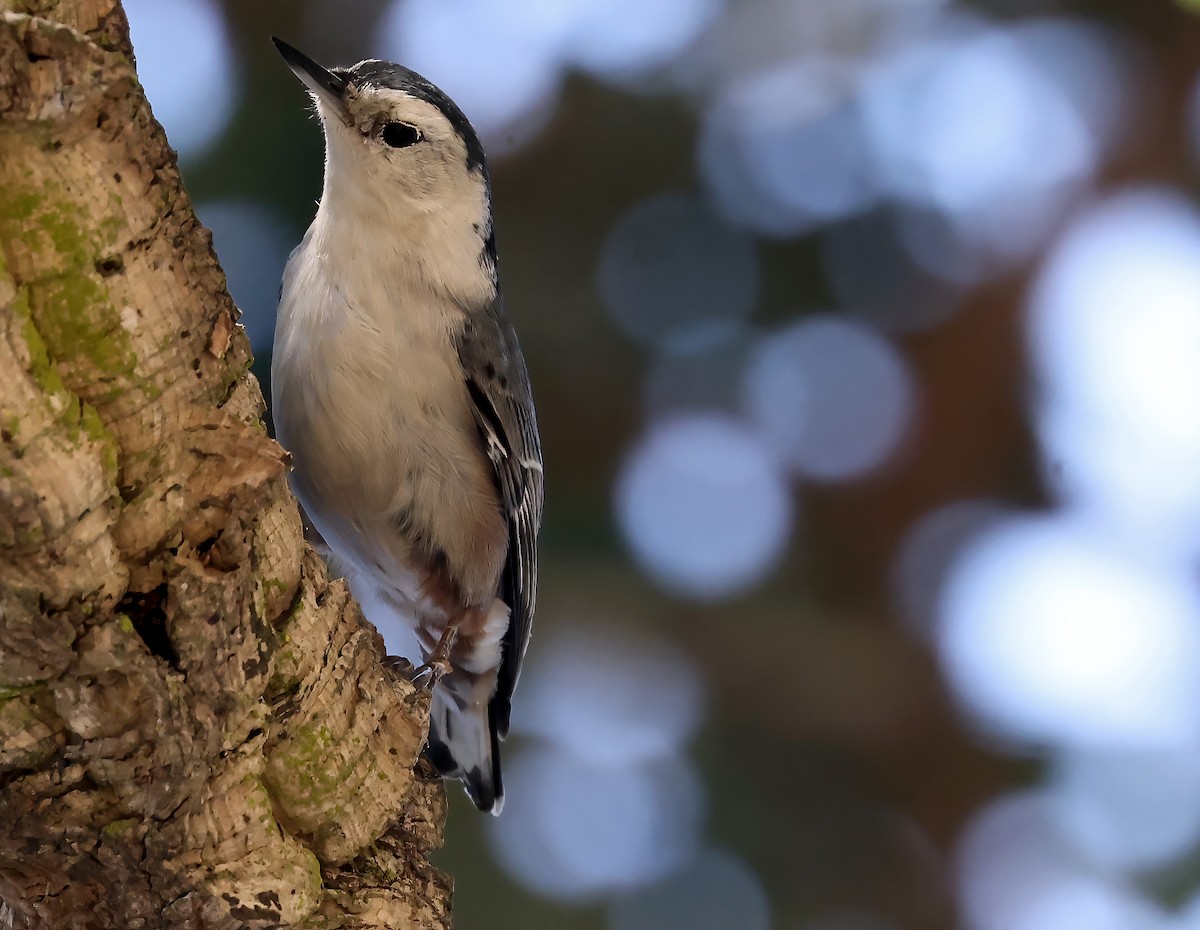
pixel 66 317
pixel 78 325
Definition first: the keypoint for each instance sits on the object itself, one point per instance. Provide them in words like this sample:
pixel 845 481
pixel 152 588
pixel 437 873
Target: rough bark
pixel 196 726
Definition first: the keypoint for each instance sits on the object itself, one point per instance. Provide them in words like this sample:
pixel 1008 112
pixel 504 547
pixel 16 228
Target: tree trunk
pixel 196 726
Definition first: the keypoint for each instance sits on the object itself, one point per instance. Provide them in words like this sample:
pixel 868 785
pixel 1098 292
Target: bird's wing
pixel 498 384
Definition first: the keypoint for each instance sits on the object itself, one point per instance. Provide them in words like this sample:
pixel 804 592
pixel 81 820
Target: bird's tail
pixel 463 742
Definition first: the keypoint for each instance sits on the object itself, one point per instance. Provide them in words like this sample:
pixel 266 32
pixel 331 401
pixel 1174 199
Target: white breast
pixel 369 398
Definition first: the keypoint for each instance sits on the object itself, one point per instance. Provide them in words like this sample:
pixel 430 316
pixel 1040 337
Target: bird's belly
pixel 387 461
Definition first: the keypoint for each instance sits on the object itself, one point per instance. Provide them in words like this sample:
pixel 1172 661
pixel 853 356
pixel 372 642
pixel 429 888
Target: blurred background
pixel 866 342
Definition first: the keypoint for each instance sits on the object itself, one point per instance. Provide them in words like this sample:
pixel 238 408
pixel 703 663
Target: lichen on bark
pixel 196 726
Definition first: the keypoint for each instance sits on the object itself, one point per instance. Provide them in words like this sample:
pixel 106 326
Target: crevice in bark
pixel 113 264
pixel 146 612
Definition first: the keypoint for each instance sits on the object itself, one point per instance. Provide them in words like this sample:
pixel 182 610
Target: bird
pixel 400 390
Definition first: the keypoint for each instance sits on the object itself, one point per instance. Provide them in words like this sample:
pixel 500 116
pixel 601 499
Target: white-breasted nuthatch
pixel 400 390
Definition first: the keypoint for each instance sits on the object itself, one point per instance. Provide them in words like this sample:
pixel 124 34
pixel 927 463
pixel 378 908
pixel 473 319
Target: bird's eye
pixel 400 135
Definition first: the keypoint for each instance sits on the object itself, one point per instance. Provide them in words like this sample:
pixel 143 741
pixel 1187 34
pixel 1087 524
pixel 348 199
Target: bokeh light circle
pixel 1115 334
pixel 1050 632
pixel 1018 872
pixel 1133 811
pixel 831 396
pixel 574 830
pixel 703 506
pixel 620 40
pixel 938 150
pixel 611 696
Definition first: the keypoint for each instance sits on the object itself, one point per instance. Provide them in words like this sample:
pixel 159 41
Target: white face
pixel 403 179
pixel 406 147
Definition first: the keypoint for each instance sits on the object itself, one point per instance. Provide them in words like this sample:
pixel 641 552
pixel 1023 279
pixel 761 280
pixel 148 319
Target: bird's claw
pixel 425 676
pixel 399 666
pixel 430 673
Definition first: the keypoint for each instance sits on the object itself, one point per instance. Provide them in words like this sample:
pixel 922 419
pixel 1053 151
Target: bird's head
pixel 397 148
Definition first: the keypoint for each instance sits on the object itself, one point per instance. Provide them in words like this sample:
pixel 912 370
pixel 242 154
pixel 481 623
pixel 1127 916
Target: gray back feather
pixel 498 383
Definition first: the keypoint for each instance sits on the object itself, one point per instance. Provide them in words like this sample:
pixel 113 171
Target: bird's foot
pixel 430 673
pixel 425 676
pixel 400 666
pixel 438 665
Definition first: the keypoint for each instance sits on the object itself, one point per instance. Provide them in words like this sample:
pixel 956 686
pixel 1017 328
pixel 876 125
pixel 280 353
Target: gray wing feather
pixel 496 378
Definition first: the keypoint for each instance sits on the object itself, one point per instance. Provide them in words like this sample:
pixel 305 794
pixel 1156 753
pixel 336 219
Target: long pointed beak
pixel 323 83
